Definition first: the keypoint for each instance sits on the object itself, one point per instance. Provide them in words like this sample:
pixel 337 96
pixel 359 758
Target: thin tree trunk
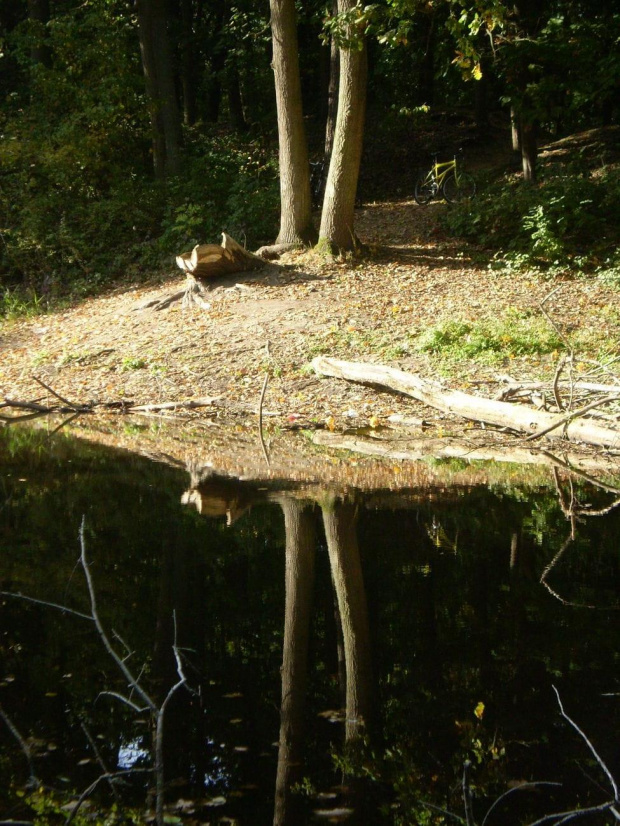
pixel 235 102
pixel 160 87
pixel 515 132
pixel 332 94
pixel 300 551
pixel 529 150
pixel 337 219
pixel 39 14
pixel 295 197
pixel 188 63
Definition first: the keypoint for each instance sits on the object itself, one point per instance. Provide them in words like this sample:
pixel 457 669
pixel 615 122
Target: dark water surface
pixel 428 636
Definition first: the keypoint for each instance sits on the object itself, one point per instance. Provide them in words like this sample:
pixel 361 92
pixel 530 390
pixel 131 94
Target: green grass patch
pixel 489 341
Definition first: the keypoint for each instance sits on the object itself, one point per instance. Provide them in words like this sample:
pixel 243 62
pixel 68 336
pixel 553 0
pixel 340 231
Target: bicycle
pixel 318 176
pixel 447 180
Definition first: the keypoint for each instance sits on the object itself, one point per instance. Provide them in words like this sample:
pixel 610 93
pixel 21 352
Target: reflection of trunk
pixel 346 569
pixel 299 527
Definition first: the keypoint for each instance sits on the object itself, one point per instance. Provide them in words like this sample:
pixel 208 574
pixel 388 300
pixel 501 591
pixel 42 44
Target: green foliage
pixel 518 334
pixel 567 223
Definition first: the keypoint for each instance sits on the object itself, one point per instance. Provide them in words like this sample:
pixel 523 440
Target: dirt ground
pixel 276 320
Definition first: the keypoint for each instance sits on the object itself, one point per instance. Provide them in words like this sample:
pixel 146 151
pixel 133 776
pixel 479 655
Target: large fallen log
pixel 535 423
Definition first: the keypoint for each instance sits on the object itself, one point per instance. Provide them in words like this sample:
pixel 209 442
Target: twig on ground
pixel 75 407
pixel 260 420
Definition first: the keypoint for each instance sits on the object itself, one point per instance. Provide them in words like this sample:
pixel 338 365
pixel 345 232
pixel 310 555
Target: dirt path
pixel 107 348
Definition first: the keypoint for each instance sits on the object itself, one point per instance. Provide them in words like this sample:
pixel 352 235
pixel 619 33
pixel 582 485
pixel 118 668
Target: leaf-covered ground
pixel 397 307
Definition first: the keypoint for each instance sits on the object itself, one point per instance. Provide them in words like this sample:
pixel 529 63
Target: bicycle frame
pixel 439 171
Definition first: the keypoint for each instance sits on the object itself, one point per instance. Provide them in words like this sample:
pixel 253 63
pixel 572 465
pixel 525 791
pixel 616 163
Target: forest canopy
pixel 130 132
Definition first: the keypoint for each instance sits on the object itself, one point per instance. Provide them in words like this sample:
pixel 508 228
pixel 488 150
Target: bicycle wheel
pixel 425 190
pixel 457 189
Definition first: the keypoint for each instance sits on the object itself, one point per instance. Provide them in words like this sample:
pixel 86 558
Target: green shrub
pixel 565 223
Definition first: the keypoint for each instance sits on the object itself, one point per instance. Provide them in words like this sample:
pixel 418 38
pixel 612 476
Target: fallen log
pixel 519 418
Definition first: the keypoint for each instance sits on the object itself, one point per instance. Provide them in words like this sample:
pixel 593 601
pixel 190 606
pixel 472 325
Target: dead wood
pixel 207 261
pixel 413 450
pixel 34 409
pixel 518 418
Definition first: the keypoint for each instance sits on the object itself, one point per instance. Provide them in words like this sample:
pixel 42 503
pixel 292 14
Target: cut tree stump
pixel 209 261
pixel 202 265
pixel 517 417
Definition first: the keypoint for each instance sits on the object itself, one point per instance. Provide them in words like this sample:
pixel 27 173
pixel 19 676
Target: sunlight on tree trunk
pixel 295 198
pixel 337 220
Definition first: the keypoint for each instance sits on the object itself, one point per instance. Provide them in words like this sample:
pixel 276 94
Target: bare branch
pixel 521 788
pixel 63 608
pixel 260 420
pixel 597 757
pixel 102 634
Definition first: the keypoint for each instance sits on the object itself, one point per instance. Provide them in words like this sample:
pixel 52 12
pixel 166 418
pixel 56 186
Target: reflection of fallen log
pixel 428 448
pixel 536 423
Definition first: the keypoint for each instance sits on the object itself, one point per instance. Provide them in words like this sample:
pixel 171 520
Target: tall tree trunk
pixel 332 93
pixel 295 198
pixel 39 15
pixel 529 150
pixel 188 63
pixel 344 558
pixel 235 102
pixel 160 87
pixel 300 551
pixel 426 93
pixel 337 219
pixel 515 131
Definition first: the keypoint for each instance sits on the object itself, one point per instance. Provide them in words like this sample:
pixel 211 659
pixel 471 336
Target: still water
pixel 344 658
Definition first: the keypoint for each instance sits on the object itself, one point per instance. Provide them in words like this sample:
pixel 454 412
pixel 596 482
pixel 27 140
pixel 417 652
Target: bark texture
pixel 160 86
pixel 295 198
pixel 337 220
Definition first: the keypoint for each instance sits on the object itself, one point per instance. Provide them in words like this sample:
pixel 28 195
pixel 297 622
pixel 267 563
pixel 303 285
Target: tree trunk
pixel 235 101
pixel 344 558
pixel 515 132
pixel 160 87
pixel 39 15
pixel 337 220
pixel 295 197
pixel 300 550
pixel 332 94
pixel 188 63
pixel 529 150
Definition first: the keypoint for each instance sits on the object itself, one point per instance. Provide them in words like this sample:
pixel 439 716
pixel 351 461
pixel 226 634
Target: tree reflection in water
pixel 444 584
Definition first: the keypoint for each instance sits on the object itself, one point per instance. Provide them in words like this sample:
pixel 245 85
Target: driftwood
pixel 519 418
